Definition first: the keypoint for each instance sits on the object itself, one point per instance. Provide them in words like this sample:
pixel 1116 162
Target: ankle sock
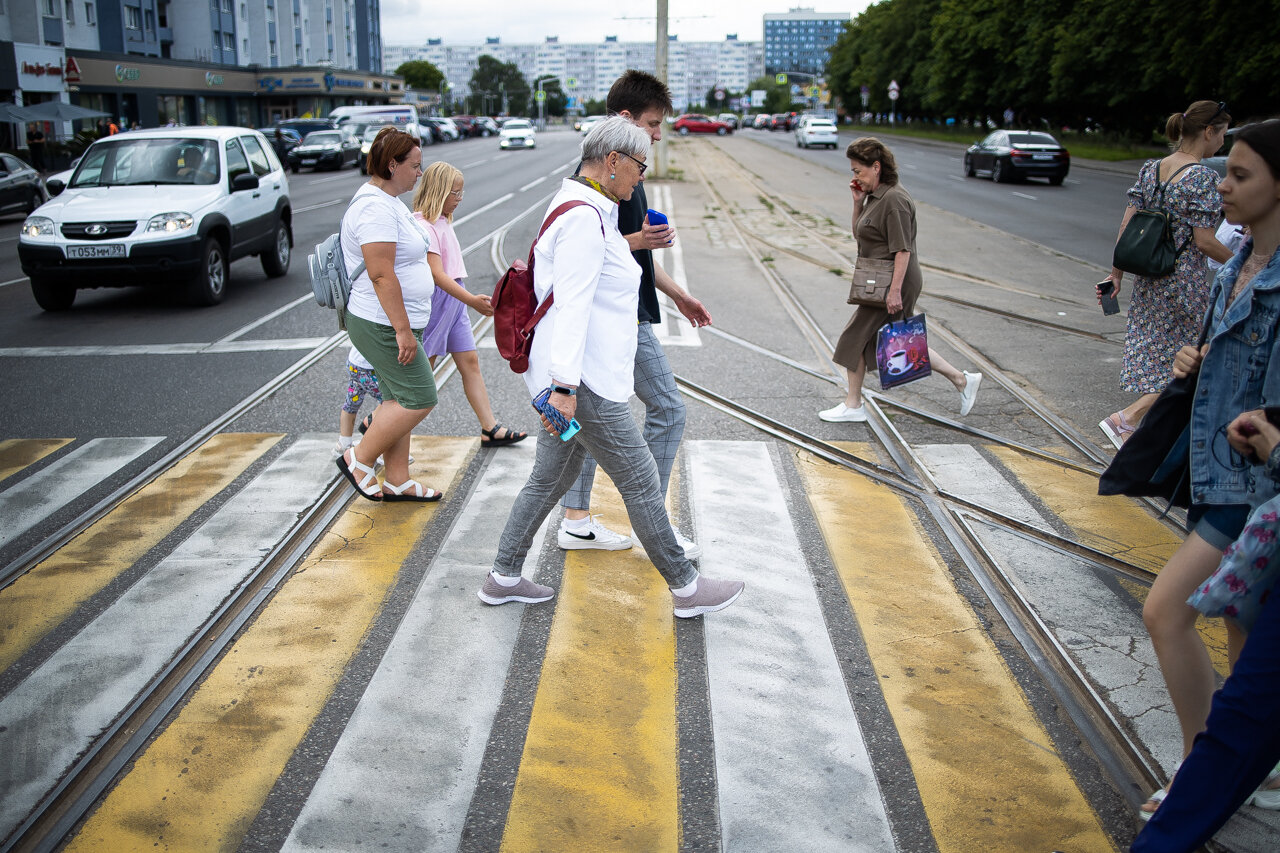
pixel 686 591
pixel 345 441
pixel 575 525
pixel 503 580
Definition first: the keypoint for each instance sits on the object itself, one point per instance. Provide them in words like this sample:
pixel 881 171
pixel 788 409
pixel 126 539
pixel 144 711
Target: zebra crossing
pixel 854 659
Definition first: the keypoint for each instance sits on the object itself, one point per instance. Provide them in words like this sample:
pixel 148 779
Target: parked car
pixel 587 123
pixel 448 130
pixel 464 125
pixel 517 133
pixel 729 119
pixel 764 121
pixel 325 149
pixel 164 207
pixel 303 126
pixel 432 128
pixel 817 131
pixel 485 127
pixel 1218 162
pixel 780 121
pixel 1014 155
pixel 696 123
pixel 20 186
pixel 292 138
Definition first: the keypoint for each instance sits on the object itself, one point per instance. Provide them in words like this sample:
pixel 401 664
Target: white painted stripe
pixel 278 345
pixel 62 706
pixel 341 176
pixel 566 167
pixel 243 330
pixel 1024 195
pixel 42 494
pixel 14 281
pixel 312 207
pixel 778 701
pixel 674 330
pixel 533 183
pixel 417 755
pixel 956 177
pixel 476 163
pixel 1098 626
pixel 497 201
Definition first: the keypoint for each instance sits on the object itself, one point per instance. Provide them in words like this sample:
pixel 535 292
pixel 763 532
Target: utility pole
pixel 660 63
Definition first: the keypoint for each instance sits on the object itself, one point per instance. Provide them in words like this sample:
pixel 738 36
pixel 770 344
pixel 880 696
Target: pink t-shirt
pixel 445 244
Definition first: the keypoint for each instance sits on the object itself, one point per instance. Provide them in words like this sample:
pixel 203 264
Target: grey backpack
pixel 330 283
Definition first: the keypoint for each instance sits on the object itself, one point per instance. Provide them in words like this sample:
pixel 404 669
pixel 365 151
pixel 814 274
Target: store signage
pixel 211 79
pixel 40 69
pixel 72 72
pixel 125 73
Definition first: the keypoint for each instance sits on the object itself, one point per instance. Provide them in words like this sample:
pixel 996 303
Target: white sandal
pixel 1264 797
pixel 417 492
pixel 368 476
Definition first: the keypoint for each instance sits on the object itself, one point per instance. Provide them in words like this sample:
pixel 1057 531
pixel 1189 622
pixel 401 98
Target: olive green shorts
pixel 411 385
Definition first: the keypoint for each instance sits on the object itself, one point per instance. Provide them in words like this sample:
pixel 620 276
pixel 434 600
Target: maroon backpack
pixel 515 305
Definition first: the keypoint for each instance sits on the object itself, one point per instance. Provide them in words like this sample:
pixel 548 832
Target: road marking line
pixel 44 597
pixel 49 718
pixel 231 742
pixel 19 453
pixel 778 699
pixel 263 320
pixel 564 168
pixel 533 183
pixel 1024 195
pixel 489 206
pixel 956 178
pixel 451 648
pixel 674 330
pixel 31 501
pixel 277 345
pixel 602 744
pixel 964 721
pixel 312 207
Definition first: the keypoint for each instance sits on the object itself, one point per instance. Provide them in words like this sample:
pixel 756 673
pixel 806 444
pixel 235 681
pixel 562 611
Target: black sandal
pixel 366 423
pixel 491 436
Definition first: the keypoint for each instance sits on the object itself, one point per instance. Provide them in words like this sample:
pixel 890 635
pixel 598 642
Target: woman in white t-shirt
pixel 389 307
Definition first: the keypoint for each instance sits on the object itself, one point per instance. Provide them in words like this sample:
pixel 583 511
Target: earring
pixel 613 177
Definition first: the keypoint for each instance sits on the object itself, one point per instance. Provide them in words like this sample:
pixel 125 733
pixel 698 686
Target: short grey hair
pixel 616 133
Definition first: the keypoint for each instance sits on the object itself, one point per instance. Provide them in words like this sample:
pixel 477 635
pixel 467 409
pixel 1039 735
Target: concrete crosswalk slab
pixel 408 762
pixel 36 498
pixel 787 742
pixel 58 710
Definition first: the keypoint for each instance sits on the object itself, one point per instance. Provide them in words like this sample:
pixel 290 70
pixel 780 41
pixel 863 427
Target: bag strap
pixel 545 305
pixel 1162 186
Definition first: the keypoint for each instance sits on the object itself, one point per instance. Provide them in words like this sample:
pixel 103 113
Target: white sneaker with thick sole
pixel 596 536
pixel 692 550
pixel 842 414
pixel 970 393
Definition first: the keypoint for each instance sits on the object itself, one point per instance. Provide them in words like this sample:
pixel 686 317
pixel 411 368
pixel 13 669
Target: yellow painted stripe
pixel 1119 526
pixel 204 779
pixel 599 770
pixel 989 775
pixel 18 453
pixel 44 597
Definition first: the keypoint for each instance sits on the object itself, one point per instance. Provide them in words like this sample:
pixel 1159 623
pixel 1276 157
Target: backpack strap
pixel 1160 188
pixel 545 305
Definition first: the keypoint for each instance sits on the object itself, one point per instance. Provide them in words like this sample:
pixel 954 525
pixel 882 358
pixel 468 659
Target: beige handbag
pixel 871 281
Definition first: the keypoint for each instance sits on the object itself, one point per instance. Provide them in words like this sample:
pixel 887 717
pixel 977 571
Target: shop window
pixel 132 18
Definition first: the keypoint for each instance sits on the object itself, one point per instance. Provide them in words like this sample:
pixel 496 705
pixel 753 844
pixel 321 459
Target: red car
pixel 695 123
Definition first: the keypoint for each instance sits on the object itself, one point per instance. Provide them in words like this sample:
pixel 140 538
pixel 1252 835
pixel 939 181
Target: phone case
pixel 567 428
pixel 656 218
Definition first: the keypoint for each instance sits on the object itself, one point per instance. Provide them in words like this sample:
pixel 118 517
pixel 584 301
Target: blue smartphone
pixel 656 218
pixel 567 428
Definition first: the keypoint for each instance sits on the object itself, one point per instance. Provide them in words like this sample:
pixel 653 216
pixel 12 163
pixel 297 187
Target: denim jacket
pixel 1241 371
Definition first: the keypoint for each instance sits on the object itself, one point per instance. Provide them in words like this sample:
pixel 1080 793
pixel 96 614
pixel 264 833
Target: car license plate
pixel 1041 156
pixel 311 162
pixel 106 250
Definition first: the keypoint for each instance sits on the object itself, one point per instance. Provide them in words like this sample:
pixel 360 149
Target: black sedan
pixel 325 149
pixel 21 190
pixel 1014 155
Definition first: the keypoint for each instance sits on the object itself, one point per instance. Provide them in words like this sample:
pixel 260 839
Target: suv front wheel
pixel 210 284
pixel 52 297
pixel 275 263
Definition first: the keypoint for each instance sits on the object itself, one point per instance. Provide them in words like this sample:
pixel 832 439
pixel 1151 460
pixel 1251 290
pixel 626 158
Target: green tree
pixel 492 81
pixel 777 99
pixel 421 75
pixel 557 101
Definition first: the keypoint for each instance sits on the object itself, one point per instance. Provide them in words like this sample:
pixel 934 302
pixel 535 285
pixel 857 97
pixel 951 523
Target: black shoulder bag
pixel 1146 246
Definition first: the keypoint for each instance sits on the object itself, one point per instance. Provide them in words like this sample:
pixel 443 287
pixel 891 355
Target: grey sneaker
pixel 711 595
pixel 597 536
pixel 526 591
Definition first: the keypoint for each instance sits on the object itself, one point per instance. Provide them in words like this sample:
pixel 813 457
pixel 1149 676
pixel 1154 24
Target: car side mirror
pixel 244 181
pixel 55 186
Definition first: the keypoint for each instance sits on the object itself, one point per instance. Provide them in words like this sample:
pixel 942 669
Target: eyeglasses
pixel 458 193
pixel 643 166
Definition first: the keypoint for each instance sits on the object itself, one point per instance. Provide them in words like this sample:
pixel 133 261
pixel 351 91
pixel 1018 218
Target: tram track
pixel 1127 763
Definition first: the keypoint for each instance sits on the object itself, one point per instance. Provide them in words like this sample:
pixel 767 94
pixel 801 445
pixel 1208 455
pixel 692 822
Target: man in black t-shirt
pixel 646 101
pixel 35 144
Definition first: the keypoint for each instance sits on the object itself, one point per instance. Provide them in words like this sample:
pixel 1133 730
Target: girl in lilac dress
pixel 449 330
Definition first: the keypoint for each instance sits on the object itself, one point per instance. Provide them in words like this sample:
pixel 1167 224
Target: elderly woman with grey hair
pixel 584 352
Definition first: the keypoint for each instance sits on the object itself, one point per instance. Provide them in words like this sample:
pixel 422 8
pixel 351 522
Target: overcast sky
pixel 412 22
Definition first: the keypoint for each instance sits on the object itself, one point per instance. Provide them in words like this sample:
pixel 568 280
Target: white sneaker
pixel 970 392
pixel 842 414
pixel 597 536
pixel 692 550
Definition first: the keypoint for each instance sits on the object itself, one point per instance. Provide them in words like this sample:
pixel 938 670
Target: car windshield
pixel 130 162
pixel 371 133
pixel 323 137
pixel 1016 138
pixel 516 125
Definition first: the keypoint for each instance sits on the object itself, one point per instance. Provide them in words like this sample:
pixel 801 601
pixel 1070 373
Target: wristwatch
pixel 560 389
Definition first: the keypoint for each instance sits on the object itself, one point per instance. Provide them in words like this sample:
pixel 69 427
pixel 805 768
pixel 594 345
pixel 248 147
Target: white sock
pixel 503 580
pixel 344 441
pixel 575 525
pixel 686 591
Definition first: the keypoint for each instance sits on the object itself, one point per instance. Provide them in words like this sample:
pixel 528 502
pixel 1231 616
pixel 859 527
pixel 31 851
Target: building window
pixel 271 49
pixel 71 13
pixel 229 42
pixel 51 9
pixel 244 11
pixel 151 21
pixel 132 18
pixel 88 13
pixel 244 47
pixel 226 6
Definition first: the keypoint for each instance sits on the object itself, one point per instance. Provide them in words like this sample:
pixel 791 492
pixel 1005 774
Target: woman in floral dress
pixel 1165 313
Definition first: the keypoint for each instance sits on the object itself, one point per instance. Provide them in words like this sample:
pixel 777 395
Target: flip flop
pixel 491 440
pixel 420 494
pixel 367 471
pixel 365 423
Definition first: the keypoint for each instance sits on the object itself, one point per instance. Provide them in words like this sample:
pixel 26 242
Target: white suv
pixel 158 207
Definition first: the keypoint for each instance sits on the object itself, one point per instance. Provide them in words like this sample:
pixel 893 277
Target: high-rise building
pixel 799 41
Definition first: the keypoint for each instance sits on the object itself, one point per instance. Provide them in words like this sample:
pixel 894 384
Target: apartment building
pixel 798 41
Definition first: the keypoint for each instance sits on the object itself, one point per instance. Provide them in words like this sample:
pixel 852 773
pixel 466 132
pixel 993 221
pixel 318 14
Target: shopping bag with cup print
pixel 902 352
